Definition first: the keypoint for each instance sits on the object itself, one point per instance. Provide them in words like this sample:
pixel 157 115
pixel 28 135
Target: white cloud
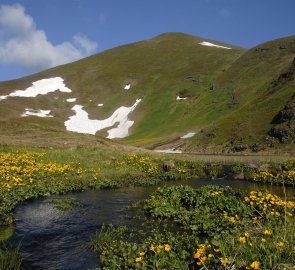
pixel 85 44
pixel 21 43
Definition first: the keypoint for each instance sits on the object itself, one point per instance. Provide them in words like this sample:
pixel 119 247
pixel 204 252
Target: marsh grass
pixel 10 258
pixel 221 229
pixel 63 204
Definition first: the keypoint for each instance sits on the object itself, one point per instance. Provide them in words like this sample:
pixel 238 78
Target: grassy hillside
pixel 232 95
pixel 261 86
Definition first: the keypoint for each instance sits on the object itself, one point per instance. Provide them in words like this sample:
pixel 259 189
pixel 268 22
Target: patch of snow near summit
pixel 205 43
pixel 81 123
pixel 180 98
pixel 39 113
pixel 41 87
pixel 100 105
pixel 127 86
pixel 188 135
pixel 71 100
pixel 169 151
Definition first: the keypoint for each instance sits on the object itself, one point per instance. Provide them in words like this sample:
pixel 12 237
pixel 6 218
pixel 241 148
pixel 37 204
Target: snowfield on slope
pixel 127 86
pixel 181 98
pixel 39 113
pixel 81 123
pixel 188 135
pixel 205 43
pixel 169 151
pixel 71 100
pixel 41 87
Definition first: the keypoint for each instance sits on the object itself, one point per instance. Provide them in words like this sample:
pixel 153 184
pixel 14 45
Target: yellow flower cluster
pixel 154 249
pixel 139 258
pixel 22 169
pixel 262 176
pixel 268 176
pixel 158 249
pixel 205 253
pixel 232 219
pixel 144 164
pixel 244 238
pixel 269 203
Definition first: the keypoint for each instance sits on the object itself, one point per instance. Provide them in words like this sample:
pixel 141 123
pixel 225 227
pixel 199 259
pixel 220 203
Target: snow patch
pixel 81 123
pixel 127 86
pixel 205 43
pixel 100 105
pixel 181 98
pixel 41 87
pixel 71 100
pixel 188 135
pixel 169 151
pixel 39 113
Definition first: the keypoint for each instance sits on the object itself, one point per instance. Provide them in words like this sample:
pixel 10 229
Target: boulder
pixel 168 165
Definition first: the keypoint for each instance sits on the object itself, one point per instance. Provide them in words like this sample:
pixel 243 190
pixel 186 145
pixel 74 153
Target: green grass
pixel 64 203
pixel 9 257
pixel 104 166
pixel 207 228
pixel 233 95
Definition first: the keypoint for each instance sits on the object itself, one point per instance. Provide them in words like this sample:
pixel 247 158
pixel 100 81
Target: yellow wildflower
pixel 159 248
pixel 232 219
pixel 255 265
pixel 267 232
pixel 197 255
pixel 224 261
pixel 203 259
pixel 167 247
pixel 280 244
pixel 138 259
pixel 152 248
pixel 242 239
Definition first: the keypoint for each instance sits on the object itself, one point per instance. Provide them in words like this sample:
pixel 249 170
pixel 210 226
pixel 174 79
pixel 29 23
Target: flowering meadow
pixel 25 175
pixel 206 228
pixel 274 173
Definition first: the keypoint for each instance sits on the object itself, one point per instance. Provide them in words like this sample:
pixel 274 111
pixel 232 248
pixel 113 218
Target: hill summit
pixel 174 92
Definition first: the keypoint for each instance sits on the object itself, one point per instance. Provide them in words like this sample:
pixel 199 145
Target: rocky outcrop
pixel 284 121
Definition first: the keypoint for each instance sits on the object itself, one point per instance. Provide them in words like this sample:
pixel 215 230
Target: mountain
pixel 216 96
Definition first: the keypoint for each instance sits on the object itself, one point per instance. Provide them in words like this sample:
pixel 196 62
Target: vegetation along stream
pixel 56 233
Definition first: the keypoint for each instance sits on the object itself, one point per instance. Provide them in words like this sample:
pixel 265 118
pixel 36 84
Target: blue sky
pixel 38 34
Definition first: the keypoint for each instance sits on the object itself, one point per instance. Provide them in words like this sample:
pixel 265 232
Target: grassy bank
pixel 207 228
pixel 28 173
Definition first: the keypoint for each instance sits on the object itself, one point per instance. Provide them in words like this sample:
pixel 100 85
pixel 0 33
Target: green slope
pixel 261 83
pixel 233 95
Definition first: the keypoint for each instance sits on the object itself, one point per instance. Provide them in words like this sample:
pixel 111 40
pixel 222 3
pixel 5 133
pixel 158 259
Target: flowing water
pixel 58 240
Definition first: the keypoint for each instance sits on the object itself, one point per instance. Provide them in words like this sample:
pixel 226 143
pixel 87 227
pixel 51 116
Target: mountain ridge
pixel 184 87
